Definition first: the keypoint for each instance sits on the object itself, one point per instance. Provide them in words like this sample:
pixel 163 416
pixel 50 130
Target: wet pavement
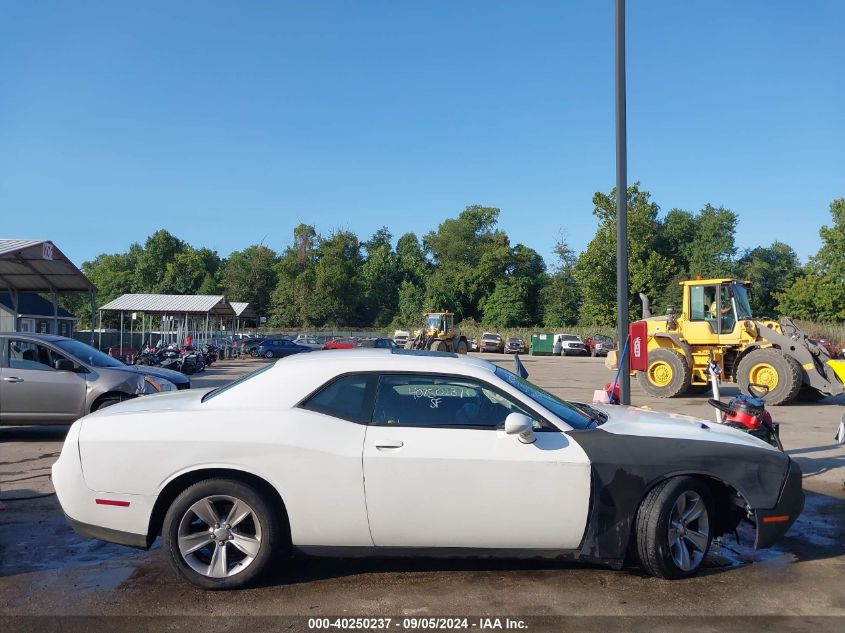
pixel 45 568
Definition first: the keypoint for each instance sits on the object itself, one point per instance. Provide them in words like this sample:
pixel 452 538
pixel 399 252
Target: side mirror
pixel 521 425
pixel 64 364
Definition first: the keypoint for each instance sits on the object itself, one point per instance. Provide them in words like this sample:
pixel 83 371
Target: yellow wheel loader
pixel 716 322
pixel 439 334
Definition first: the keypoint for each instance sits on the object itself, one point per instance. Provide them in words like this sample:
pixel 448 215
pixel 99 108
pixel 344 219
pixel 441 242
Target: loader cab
pixel 713 308
pixel 439 322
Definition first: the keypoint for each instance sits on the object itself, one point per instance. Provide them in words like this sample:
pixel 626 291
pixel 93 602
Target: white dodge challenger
pixel 389 452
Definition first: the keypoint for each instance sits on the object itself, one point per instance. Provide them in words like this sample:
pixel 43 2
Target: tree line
pixel 469 266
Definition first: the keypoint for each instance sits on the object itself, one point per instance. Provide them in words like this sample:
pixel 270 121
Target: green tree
pixel 192 271
pixel 561 299
pixel 159 250
pixel 337 282
pixel 771 270
pixel 595 271
pixel 380 280
pixel 819 294
pixel 250 275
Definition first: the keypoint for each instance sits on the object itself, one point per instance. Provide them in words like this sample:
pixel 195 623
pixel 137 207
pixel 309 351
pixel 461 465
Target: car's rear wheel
pixel 220 534
pixel 673 528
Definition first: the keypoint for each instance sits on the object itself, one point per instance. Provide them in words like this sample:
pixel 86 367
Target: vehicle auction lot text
pixel 483 623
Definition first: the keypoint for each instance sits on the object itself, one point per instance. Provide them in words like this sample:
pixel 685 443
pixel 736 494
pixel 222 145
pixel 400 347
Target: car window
pixel 28 355
pixel 572 415
pixel 441 401
pixel 349 398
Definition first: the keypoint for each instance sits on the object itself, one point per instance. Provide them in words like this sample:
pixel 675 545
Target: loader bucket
pixel 838 367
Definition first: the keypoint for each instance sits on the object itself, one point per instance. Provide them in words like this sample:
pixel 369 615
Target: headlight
pixel 153 385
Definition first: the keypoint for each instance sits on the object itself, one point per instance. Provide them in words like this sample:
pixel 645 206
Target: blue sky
pixel 230 122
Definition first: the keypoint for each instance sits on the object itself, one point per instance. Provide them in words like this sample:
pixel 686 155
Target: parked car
pixel 48 379
pixel 250 345
pixel 310 433
pixel 400 337
pixel 569 345
pixel 491 342
pixel 599 345
pixel 515 346
pixel 343 342
pixel 378 343
pixel 308 341
pixel 280 348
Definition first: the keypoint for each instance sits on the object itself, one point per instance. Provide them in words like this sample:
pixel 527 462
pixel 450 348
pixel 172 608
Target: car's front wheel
pixel 268 355
pixel 220 534
pixel 673 528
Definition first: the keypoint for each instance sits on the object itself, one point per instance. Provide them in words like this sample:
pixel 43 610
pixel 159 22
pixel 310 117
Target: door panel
pixel 479 488
pixel 33 392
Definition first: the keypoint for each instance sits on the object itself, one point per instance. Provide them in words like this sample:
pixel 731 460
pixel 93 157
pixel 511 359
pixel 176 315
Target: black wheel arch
pixel 111 395
pixel 178 484
pixel 626 468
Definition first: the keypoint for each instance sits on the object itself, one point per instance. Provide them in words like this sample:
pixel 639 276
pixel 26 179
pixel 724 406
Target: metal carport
pixel 40 266
pixel 194 315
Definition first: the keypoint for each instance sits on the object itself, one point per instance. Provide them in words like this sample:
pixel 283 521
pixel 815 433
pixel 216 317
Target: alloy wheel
pixel 689 531
pixel 219 536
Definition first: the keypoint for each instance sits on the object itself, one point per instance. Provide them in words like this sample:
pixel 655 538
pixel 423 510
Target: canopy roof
pixel 243 310
pixel 215 305
pixel 39 266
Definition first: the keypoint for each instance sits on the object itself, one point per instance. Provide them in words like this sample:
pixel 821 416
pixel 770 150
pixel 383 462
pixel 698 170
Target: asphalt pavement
pixel 48 570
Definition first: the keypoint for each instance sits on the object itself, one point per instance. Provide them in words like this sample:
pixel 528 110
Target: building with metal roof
pixel 39 266
pixel 180 317
pixel 213 305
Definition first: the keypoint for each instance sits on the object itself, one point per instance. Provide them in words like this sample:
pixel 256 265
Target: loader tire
pixel 439 346
pixel 771 367
pixel 668 374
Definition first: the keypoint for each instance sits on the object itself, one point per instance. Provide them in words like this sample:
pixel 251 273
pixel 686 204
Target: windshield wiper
pixel 599 417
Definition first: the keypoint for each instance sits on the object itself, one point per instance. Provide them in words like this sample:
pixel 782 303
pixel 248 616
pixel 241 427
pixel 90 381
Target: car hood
pixel 624 420
pixel 167 401
pixel 158 372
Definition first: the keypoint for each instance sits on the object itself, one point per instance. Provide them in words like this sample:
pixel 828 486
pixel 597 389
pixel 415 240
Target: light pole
pixel 621 208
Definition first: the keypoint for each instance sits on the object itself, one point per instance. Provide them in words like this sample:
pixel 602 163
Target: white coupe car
pixel 412 453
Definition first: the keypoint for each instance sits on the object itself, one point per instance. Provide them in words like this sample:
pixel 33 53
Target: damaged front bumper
pixel 773 524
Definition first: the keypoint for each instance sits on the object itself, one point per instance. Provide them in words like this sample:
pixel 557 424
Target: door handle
pixel 383 444
pixel 13 379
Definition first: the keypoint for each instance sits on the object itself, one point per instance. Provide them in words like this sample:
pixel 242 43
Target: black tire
pixel 438 346
pixel 680 379
pixel 697 390
pixel 788 370
pixel 462 347
pixel 269 522
pixel 652 525
pixel 109 400
pixel 268 354
pixel 809 394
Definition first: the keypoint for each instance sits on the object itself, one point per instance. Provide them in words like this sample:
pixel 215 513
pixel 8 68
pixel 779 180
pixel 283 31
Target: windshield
pixel 433 321
pixel 216 392
pixel 569 337
pixel 87 354
pixel 743 307
pixel 570 414
pixel 601 338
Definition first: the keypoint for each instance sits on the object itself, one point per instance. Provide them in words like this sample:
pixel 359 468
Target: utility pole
pixel 621 209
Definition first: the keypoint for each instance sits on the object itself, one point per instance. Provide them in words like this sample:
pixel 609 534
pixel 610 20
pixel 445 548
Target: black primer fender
pixel 626 467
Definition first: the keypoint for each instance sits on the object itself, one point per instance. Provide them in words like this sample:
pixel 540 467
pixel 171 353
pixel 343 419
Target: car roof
pixel 50 338
pixel 374 359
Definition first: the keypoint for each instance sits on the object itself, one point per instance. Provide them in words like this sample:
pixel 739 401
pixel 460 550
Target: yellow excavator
pixel 439 334
pixel 716 324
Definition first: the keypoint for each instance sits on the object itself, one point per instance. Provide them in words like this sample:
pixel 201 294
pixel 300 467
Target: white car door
pixel 440 472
